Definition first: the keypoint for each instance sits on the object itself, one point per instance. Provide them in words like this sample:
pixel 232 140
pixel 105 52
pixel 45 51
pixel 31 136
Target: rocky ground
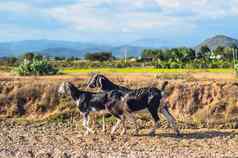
pixel 67 140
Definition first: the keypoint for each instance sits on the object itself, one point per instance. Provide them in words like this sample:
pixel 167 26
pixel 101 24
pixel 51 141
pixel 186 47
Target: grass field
pixel 133 70
pixel 144 70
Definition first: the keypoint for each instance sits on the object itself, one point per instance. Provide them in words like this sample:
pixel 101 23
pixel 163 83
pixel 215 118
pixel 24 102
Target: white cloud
pixel 118 16
pixel 81 16
pixel 234 8
pixel 203 9
pixel 15 7
pixel 111 15
pixel 129 16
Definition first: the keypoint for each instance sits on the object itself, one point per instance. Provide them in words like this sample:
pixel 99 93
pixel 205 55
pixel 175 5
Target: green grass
pixel 143 70
pixel 6 68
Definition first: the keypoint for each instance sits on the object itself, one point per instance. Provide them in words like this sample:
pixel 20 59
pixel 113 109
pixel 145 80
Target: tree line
pixel 220 57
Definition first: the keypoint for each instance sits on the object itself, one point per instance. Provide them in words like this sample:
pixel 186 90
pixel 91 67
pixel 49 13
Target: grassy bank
pixel 144 70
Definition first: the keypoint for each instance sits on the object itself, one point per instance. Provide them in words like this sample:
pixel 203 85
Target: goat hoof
pixel 136 132
pixel 112 133
pixel 79 135
pixel 123 132
pixel 93 132
pixel 178 134
pixel 151 133
pixel 86 133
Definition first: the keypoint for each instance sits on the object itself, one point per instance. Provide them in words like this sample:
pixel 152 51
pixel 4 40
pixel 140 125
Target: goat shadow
pixel 196 134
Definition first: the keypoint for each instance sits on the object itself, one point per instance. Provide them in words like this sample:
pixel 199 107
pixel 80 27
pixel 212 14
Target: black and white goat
pixel 86 101
pixel 148 98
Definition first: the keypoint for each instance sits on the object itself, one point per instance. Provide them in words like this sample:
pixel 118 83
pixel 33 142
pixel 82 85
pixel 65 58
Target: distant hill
pixel 63 48
pixel 78 49
pixel 116 51
pixel 51 47
pixel 219 40
pixel 61 52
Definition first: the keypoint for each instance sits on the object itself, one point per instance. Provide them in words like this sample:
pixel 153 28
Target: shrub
pixel 175 65
pixel 36 66
pixel 99 56
pixel 236 68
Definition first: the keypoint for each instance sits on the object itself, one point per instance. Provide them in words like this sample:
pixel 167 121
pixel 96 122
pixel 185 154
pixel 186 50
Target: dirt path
pixel 67 140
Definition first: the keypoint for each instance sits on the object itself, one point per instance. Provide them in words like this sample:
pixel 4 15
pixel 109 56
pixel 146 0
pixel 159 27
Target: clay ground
pixel 66 138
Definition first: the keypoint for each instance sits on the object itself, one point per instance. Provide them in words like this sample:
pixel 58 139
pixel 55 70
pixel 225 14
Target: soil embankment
pixel 204 103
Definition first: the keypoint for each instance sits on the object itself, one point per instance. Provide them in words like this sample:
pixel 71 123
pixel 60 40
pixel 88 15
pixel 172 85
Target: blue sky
pixel 181 22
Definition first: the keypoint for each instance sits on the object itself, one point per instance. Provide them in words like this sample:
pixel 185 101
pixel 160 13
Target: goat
pixel 148 98
pixel 86 101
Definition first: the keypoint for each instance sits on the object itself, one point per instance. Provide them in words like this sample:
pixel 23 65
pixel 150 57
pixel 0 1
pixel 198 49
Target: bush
pixel 36 66
pixel 236 68
pixel 99 56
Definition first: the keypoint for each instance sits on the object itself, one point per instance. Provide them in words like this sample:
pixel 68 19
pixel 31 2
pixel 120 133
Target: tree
pixel 234 55
pixel 204 52
pixel 11 60
pixel 29 56
pixel 59 58
pixel 174 54
pixel 188 54
pixel 219 53
pixel 99 56
pixel 152 54
pixel 228 54
pixel 219 49
pixel 205 49
pixel 234 46
pixel 38 56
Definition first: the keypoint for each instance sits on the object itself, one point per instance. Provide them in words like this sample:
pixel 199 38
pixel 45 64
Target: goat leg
pixel 86 124
pixel 169 117
pixel 152 131
pixel 94 121
pixel 114 128
pixel 89 129
pixel 103 123
pixel 124 126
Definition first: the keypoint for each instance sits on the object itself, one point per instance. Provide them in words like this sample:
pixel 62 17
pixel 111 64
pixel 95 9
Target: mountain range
pixel 218 40
pixel 78 49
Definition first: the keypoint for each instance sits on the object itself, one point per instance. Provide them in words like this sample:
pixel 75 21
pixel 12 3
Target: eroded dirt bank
pixel 204 103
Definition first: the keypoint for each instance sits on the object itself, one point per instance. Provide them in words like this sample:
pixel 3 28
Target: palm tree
pixel 204 52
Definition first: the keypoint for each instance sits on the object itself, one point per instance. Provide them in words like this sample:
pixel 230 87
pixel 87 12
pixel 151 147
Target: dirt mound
pixel 31 99
pixel 204 102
